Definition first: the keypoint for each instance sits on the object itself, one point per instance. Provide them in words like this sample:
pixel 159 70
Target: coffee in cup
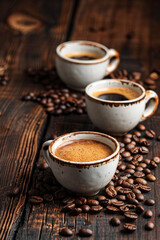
pixel 83 56
pixel 83 150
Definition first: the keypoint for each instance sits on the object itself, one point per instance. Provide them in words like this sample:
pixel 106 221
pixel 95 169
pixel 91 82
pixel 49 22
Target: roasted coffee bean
pixel 131 195
pixel 147 161
pixel 139 209
pixel 130 170
pixel 127 140
pixel 136 191
pixel 124 190
pixel 151 177
pixel 140 197
pixel 129 159
pixel 139 169
pixel 141 127
pixel 112 209
pixel 111 183
pixel 149 81
pixel 115 221
pixel 111 192
pixel 48 197
pixel 134 150
pixel 130 181
pixel 68 200
pixel 124 208
pixel 126 154
pixel 138 174
pixel 144 188
pixel 144 150
pixel 66 232
pixel 156 160
pixel 137 133
pixel 85 208
pixel 135 138
pixel 92 202
pixel 121 144
pixel 144 141
pixel 130 166
pixel 15 191
pixel 85 232
pixel 105 202
pixel 154 75
pixel 147 171
pixel 150 202
pixel 149 226
pixel 121 167
pixel 153 164
pixel 141 181
pixel 150 133
pixel 138 158
pixel 128 135
pixel 117 203
pixel 76 211
pixel 130 146
pixel 131 215
pixel 129 227
pixel 122 150
pixel 121 197
pixel 96 209
pixel 148 214
pixel 69 207
pixel 126 184
pixel 142 164
pixel 35 200
pixel 101 198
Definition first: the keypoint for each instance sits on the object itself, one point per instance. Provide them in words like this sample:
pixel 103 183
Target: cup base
pixel 76 89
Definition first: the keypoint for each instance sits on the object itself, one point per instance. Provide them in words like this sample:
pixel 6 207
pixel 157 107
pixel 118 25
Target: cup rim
pixel 97 162
pixel 83 42
pixel 142 96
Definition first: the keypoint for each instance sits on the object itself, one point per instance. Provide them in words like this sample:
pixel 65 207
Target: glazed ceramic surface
pixel 77 74
pixel 85 178
pixel 119 117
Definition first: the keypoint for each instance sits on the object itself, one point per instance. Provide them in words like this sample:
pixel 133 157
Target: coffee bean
pixel 138 174
pixel 149 226
pixel 150 202
pixel 128 135
pixel 140 197
pixel 69 207
pixel 112 209
pixel 68 200
pixel 137 133
pixel 131 215
pixel 35 200
pixel 147 171
pixel 144 150
pixel 127 140
pixel 76 211
pixel 130 166
pixel 85 208
pixel 156 160
pixel 126 154
pixel 92 202
pixel 144 188
pixel 105 202
pixel 15 191
pixel 150 133
pixel 144 141
pixel 153 164
pixel 121 144
pixel 130 146
pixel 151 177
pixel 124 190
pixel 66 232
pixel 131 195
pixel 154 75
pixel 115 221
pixel 141 127
pixel 124 208
pixel 135 138
pixel 139 169
pixel 121 197
pixel 130 170
pixel 149 81
pixel 126 184
pixel 139 209
pixel 96 209
pixel 85 232
pixel 122 167
pixel 129 227
pixel 117 203
pixel 101 198
pixel 147 161
pixel 138 157
pixel 129 159
pixel 148 214
pixel 141 181
pixel 111 192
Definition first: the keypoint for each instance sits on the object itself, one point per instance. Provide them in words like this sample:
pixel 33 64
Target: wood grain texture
pixel 131 27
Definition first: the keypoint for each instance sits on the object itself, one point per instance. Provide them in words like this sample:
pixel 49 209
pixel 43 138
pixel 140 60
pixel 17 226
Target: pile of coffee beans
pixel 149 81
pixel 4 78
pixel 56 98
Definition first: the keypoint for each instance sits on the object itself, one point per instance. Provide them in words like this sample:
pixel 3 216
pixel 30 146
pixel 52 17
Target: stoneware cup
pixel 86 178
pixel 119 117
pixel 77 74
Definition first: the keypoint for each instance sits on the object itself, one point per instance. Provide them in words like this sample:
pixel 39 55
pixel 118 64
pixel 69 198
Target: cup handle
pixel 151 101
pixel 114 61
pixel 45 150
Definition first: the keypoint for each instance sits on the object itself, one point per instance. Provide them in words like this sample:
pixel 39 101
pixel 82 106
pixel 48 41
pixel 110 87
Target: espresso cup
pixel 119 117
pixel 86 178
pixel 78 73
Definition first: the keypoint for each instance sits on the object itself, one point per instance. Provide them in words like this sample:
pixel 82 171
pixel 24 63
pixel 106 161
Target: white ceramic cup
pixel 77 74
pixel 119 117
pixel 86 178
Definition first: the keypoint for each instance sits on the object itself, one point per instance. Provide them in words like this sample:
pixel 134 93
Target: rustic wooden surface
pixel 131 27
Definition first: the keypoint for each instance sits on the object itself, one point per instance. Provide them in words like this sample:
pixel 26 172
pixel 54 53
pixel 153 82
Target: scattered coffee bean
pixel 76 211
pixel 140 197
pixel 141 127
pixel 68 208
pixel 66 232
pixel 144 188
pixel 154 75
pixel 129 227
pixel 85 232
pixel 156 160
pixel 115 221
pixel 149 226
pixel 144 150
pixel 85 208
pixel 153 164
pixel 111 192
pixel 141 181
pixel 131 215
pixel 150 133
pixel 101 198
pixel 96 209
pixel 151 177
pixel 148 214
pixel 121 197
pixel 112 209
pixel 150 202
pixel 92 202
pixel 139 209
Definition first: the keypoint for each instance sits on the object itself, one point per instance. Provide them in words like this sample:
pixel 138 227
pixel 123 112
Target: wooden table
pixel 29 33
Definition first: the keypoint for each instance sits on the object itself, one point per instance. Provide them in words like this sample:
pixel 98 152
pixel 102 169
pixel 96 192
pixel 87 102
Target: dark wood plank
pixel 23 124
